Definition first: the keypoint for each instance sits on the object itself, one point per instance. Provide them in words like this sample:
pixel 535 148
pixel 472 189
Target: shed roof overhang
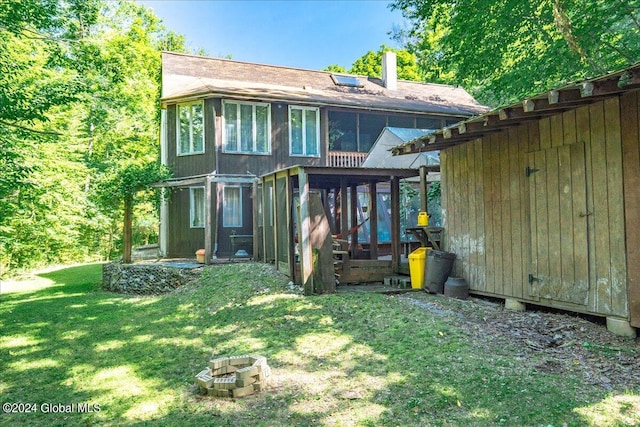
pixel 200 180
pixel 537 107
pixel 320 177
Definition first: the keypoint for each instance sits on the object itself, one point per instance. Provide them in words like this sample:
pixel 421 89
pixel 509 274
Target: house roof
pixel 556 101
pixel 192 77
pixel 380 154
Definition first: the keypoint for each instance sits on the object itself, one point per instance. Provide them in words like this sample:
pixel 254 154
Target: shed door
pixel 559 244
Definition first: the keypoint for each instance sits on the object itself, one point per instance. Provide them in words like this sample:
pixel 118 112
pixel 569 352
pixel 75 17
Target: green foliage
pixel 335 68
pixel 370 64
pixel 505 50
pixel 79 110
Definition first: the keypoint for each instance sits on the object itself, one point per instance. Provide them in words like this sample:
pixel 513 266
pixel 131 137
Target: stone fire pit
pixel 235 376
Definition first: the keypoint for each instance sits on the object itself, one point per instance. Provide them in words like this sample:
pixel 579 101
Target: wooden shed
pixel 305 210
pixel 541 199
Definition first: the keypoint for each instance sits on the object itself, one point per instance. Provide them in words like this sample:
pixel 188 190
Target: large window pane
pixel 262 129
pixel 190 127
pixel 232 207
pixel 197 125
pixel 311 132
pixel 231 127
pixel 296 131
pixel 184 132
pixel 196 207
pixel 246 128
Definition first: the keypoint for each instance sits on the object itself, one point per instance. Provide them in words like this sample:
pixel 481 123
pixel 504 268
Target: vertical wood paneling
pixel 553 212
pixel 515 206
pixel 569 127
pixel 544 128
pixel 505 214
pixel 472 237
pixel 525 134
pixel 568 223
pixel 600 209
pixel 533 135
pixel 583 135
pixel 556 130
pixel 630 135
pixel 618 278
pixel 580 223
pixel 492 210
pixel 480 246
pixel 565 186
pixel 455 246
pixel 445 185
pixel 540 227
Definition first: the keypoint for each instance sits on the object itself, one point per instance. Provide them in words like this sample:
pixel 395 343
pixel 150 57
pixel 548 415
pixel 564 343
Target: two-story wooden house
pixel 225 123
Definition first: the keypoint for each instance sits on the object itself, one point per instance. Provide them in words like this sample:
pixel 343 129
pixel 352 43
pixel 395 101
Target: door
pixel 558 213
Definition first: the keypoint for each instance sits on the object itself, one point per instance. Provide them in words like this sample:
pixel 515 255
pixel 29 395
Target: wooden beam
pixel 344 202
pixel 304 234
pixel 395 224
pixel 256 230
pixel 373 220
pixel 208 232
pixel 354 220
pixel 423 188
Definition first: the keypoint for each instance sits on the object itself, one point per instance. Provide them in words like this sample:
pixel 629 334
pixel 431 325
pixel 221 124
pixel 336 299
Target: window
pixel 345 80
pixel 232 207
pixel 196 207
pixel 247 127
pixel 304 131
pixel 190 129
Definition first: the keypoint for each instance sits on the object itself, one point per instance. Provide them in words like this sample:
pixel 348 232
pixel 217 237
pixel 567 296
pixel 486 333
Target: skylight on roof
pixel 342 80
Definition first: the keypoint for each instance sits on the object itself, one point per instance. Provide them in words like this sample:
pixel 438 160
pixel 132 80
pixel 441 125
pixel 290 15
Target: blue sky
pixel 306 34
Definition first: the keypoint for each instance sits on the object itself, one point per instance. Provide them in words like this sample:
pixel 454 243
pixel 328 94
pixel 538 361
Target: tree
pixel 507 49
pixel 121 186
pixel 370 64
pixel 334 68
pixel 79 102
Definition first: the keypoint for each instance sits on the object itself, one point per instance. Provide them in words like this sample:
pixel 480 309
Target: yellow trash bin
pixel 417 260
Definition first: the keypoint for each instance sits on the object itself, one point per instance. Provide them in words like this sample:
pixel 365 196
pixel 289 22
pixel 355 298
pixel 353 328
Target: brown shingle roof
pixel 185 76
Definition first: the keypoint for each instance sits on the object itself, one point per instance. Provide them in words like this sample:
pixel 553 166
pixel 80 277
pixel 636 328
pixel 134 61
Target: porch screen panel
pixel 282 212
pixel 232 207
pixel 269 238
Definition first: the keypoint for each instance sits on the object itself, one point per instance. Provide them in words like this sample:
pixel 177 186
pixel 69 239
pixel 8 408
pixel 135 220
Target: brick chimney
pixel 389 71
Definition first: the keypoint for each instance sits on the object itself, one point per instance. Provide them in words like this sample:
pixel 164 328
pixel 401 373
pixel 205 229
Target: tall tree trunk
pixel 128 214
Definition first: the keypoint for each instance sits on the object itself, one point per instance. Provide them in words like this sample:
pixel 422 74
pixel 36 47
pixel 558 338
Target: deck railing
pixel 346 159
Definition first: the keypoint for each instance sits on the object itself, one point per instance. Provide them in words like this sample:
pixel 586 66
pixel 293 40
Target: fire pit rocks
pixel 235 376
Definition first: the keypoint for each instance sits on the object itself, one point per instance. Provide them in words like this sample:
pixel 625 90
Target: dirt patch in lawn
pixel 551 342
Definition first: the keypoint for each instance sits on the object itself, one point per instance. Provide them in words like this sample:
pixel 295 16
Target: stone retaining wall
pixel 145 279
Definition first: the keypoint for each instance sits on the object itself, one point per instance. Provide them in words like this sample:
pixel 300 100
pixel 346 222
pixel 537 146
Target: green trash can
pixel 438 268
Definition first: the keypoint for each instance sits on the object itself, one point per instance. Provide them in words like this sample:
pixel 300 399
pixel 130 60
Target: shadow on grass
pixel 345 360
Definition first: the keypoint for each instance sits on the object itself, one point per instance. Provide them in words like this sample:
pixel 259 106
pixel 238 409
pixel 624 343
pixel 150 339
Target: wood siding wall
pixel 504 226
pixel 630 134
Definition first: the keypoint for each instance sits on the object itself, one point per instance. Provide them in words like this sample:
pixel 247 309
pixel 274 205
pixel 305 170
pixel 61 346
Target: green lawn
pixel 358 359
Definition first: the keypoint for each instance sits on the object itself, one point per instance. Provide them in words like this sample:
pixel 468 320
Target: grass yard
pixel 355 359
